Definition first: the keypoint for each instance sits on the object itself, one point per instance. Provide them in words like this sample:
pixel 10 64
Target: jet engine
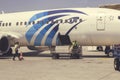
pixel 4 45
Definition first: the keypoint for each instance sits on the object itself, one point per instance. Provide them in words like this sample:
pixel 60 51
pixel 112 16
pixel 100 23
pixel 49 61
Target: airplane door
pixel 100 22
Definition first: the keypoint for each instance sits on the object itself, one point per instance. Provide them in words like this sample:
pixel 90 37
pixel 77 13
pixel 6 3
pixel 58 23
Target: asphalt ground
pixel 39 66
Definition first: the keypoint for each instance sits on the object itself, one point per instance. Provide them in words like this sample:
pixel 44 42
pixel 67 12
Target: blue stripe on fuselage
pixel 43 14
pixel 35 27
pixel 42 34
pixel 51 35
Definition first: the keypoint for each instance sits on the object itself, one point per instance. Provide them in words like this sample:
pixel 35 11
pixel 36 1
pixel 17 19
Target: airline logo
pixel 49 21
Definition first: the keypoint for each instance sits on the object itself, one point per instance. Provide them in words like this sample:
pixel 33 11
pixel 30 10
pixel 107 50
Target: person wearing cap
pixel 16 49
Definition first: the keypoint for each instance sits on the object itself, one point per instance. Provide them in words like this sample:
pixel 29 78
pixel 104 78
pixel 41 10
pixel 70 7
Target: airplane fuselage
pixel 88 26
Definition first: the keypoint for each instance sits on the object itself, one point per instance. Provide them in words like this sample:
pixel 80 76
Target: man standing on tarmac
pixel 73 45
pixel 75 50
pixel 16 48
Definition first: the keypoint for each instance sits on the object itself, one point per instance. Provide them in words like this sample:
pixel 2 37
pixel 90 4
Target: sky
pixel 30 5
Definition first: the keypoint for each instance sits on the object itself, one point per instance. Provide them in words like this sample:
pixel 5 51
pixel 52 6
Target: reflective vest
pixel 74 44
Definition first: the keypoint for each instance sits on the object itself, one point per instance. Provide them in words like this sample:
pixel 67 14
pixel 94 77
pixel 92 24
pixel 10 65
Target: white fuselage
pixel 88 26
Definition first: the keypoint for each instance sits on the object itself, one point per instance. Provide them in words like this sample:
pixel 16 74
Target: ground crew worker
pixel 16 48
pixel 74 50
pixel 74 45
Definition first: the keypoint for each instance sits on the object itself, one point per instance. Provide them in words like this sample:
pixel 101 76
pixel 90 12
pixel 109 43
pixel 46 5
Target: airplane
pixel 59 27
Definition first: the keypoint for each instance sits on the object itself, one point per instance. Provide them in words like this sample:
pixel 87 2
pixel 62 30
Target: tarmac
pixel 39 66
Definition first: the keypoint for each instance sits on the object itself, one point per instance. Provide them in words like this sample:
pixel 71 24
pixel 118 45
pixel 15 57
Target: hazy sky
pixel 28 5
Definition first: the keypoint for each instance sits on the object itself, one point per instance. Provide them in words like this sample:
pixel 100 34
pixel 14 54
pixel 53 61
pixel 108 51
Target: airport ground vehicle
pixel 74 53
pixel 109 51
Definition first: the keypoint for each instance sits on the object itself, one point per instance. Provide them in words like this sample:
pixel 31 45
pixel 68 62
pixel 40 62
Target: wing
pixel 111 6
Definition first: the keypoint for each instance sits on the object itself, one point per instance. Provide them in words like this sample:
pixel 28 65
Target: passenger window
pixel 3 24
pixel 9 24
pixel 33 22
pixel 38 22
pixel 21 23
pixel 25 23
pixel 6 24
pixel 29 23
pixel 17 23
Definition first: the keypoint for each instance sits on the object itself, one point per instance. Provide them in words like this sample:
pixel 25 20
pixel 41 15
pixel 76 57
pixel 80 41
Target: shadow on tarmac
pixel 38 54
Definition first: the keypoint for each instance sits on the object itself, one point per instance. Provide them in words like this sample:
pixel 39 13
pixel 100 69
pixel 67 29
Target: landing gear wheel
pixel 55 56
pixel 117 64
pixel 110 54
pixel 75 56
